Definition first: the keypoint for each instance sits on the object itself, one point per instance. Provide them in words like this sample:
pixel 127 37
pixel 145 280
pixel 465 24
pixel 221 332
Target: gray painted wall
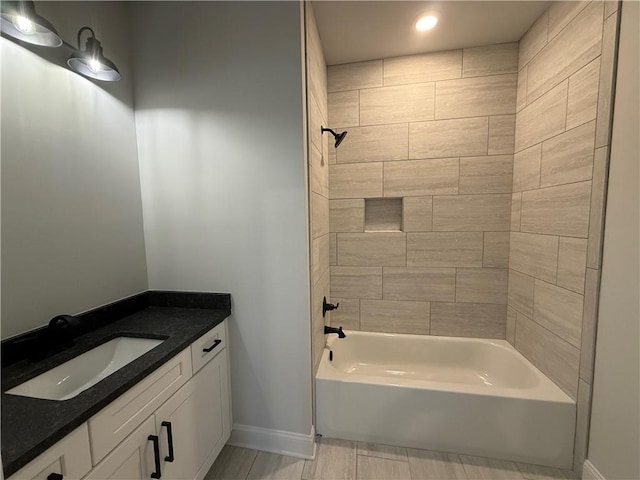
pixel 72 235
pixel 615 419
pixel 219 116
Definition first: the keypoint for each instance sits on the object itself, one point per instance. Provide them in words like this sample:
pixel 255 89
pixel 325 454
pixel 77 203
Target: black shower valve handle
pixel 327 307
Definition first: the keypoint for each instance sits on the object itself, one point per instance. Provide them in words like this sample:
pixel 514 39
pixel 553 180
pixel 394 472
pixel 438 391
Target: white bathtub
pixel 462 395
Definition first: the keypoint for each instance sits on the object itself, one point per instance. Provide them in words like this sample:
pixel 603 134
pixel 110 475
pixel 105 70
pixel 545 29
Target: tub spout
pixel 339 331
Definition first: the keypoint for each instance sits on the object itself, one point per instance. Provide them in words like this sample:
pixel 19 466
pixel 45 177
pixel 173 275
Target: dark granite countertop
pixel 31 425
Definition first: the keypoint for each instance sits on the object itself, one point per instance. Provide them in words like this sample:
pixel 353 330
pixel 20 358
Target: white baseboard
pixel 274 441
pixel 590 472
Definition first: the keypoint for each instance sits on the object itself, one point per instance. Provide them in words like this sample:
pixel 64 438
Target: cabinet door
pixel 199 420
pixel 116 421
pixel 133 459
pixel 69 457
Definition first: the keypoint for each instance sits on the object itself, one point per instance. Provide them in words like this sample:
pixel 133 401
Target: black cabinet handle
pixel 156 455
pixel 170 457
pixel 215 344
pixel 55 476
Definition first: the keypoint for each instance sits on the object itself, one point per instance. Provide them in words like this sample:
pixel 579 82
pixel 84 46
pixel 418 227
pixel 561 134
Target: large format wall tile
pixel 318 181
pixel 561 13
pixel 346 215
pixel 606 81
pixel 321 289
pixel 556 358
pixel 511 326
pixel 468 320
pixel 355 180
pixel 478 96
pixel 487 174
pixel 558 310
pixel 417 214
pixel 535 255
pixel 575 46
pixel 568 157
pixel 572 263
pixel 333 249
pixel 610 7
pixel 316 119
pixel 421 177
pixel 318 173
pixel 374 144
pixel 562 210
pixel 449 138
pixel 495 253
pixel 419 284
pixel 521 292
pixel 372 249
pixel 502 131
pixel 444 249
pixel 347 315
pixel 516 207
pixel 481 285
pixel 589 324
pixel 521 97
pixel 423 68
pixel 534 40
pixel 352 76
pixel 396 104
pixel 394 316
pixel 356 282
pixel 319 215
pixel 490 60
pixel 526 168
pixel 462 213
pixel 319 256
pixel 317 68
pixel 596 215
pixel 454 175
pixel 344 109
pixel 582 102
pixel 543 118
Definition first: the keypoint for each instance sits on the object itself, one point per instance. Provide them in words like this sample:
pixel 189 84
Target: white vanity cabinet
pixel 193 416
pixel 69 459
pixel 198 416
pixel 133 459
pixel 184 404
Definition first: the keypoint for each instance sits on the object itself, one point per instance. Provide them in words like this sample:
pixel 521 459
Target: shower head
pixel 338 136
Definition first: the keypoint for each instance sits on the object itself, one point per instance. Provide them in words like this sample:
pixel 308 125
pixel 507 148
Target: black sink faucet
pixel 61 331
pixel 339 331
pixel 56 337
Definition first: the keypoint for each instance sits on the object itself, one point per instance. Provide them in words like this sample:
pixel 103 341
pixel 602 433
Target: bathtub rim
pixel 546 390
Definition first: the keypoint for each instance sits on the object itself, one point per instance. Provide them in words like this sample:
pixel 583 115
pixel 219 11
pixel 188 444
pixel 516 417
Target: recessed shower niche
pixel 383 215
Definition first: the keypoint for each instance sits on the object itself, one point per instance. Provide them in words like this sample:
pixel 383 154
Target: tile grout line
pixel 252 464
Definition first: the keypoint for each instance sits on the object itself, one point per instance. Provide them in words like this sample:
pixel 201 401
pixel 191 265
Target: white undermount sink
pixel 75 376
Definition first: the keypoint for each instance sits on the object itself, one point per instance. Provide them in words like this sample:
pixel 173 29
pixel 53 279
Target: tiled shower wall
pixel 318 179
pixel 420 191
pixel 559 177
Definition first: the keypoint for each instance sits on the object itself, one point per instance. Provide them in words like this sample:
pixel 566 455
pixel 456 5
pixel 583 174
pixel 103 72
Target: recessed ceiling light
pixel 426 23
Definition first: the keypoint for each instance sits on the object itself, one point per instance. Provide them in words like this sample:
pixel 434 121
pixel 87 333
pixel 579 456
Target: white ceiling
pixel 353 31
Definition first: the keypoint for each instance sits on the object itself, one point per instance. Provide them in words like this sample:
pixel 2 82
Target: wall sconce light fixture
pixel 91 62
pixel 20 20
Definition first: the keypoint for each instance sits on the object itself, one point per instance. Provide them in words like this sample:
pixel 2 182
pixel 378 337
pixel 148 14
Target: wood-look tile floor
pixel 345 460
